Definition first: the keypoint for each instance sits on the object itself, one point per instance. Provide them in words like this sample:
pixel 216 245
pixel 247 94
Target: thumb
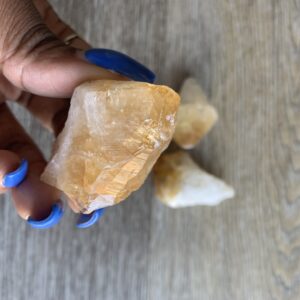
pixel 34 59
pixel 53 71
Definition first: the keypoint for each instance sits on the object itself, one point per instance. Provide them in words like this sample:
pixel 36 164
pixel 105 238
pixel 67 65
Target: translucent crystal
pixel 195 115
pixel 114 134
pixel 180 182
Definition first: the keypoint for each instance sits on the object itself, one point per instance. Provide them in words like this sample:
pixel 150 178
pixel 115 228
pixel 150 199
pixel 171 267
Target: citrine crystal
pixel 195 116
pixel 180 182
pixel 115 132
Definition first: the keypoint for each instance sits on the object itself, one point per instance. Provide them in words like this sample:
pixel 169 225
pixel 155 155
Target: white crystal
pixel 180 182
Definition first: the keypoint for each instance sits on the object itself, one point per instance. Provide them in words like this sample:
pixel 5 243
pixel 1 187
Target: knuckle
pixel 23 28
pixel 33 41
pixel 34 44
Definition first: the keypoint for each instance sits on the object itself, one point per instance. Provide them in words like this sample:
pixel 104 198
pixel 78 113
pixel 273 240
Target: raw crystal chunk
pixel 180 182
pixel 195 116
pixel 114 134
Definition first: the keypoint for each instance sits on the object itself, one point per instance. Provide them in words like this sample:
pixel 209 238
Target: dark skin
pixel 38 71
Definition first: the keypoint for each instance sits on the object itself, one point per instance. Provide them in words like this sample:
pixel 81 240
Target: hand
pixel 39 71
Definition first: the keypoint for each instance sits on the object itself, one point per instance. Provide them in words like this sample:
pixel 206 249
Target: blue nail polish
pixel 120 63
pixel 53 219
pixel 86 221
pixel 16 177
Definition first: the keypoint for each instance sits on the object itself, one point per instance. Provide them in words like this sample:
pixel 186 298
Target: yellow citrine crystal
pixel 115 132
pixel 196 116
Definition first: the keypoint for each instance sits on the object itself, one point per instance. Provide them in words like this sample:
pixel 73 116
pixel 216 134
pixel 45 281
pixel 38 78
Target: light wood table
pixel 246 55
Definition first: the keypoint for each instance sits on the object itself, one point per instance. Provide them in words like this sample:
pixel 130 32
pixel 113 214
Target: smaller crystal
pixel 195 116
pixel 180 182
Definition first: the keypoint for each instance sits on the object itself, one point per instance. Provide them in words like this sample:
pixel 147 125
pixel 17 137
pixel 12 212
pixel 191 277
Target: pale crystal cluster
pixel 115 132
pixel 180 182
pixel 195 115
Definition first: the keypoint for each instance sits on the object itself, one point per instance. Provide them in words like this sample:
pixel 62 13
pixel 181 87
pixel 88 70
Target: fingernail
pixel 16 177
pixel 53 219
pixel 86 221
pixel 119 63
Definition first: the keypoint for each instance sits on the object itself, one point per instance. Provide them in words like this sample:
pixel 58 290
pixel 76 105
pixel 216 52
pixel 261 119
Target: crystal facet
pixel 114 134
pixel 195 115
pixel 180 182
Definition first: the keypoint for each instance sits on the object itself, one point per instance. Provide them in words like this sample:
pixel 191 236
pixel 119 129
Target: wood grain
pixel 246 56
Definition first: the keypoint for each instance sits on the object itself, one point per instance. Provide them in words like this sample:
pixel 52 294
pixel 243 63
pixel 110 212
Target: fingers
pixel 32 198
pixel 58 27
pixel 52 72
pixel 44 66
pixel 33 59
pixel 36 61
pixel 51 112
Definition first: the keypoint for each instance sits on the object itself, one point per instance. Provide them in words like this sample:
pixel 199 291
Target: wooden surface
pixel 246 56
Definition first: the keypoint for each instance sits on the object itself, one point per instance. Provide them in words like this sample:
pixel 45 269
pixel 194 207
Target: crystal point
pixel 114 134
pixel 180 182
pixel 195 116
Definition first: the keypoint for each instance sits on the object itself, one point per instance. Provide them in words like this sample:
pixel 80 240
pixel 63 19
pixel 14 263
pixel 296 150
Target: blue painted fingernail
pixel 16 177
pixel 86 221
pixel 53 219
pixel 119 63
